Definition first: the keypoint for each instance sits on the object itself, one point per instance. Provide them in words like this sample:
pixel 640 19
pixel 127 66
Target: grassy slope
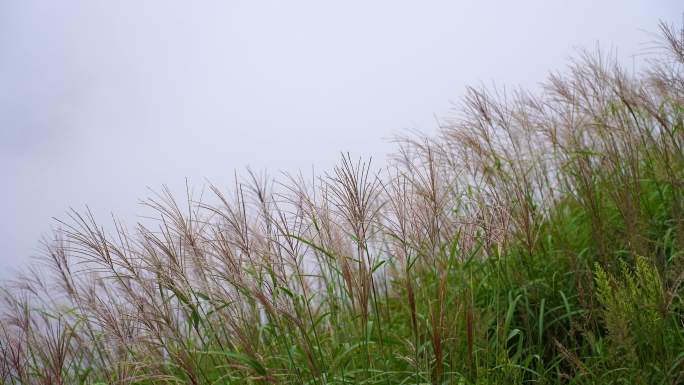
pixel 538 239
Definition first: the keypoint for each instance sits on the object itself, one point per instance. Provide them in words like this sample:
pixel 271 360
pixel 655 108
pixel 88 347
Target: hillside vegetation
pixel 538 238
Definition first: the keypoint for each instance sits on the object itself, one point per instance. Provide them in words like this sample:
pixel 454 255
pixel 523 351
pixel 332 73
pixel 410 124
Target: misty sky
pixel 100 99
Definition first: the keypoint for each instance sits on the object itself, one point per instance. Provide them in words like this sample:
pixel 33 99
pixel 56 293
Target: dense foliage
pixel 538 238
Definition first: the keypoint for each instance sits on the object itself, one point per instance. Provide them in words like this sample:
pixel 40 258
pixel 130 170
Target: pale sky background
pixel 99 99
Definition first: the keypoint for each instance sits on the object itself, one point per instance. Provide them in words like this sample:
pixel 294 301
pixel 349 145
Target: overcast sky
pixel 99 99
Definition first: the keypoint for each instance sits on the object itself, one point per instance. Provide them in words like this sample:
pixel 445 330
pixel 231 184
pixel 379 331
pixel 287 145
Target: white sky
pixel 99 99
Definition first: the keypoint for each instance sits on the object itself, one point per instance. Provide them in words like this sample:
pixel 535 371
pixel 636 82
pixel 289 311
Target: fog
pixel 99 100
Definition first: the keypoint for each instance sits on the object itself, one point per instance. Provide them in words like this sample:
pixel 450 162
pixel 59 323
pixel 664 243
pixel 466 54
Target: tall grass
pixel 538 238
